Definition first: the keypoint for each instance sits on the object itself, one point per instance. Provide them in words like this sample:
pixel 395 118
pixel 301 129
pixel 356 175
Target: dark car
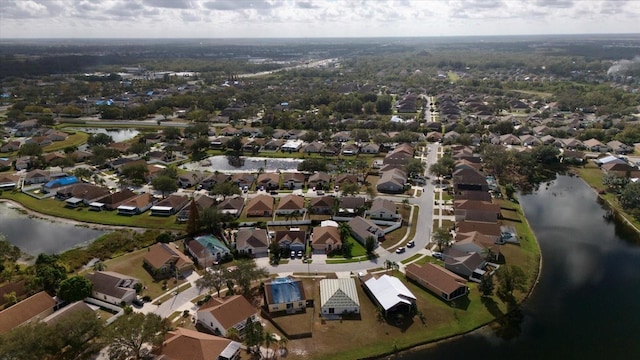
pixel 273 192
pixel 138 302
pixel 411 244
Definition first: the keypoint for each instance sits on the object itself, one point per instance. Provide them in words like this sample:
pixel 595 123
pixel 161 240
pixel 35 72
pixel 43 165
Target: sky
pixel 312 18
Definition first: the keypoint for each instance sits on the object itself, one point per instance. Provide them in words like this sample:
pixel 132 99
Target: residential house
pixel 166 260
pixel 232 206
pixel 269 181
pixel 81 156
pixel 434 136
pixel 338 297
pixel 292 180
pixel 440 281
pixel 42 141
pixel 122 147
pixel 624 170
pixel 530 140
pixel 325 239
pixel 314 147
pixel 243 180
pixel 5 163
pixel 137 205
pixel 8 181
pixel 202 202
pixel 346 178
pixel 392 181
pixel 475 242
pixel 273 145
pixel 474 210
pixel 389 293
pixel 55 135
pixel 261 205
pixel 490 229
pixel 619 148
pixel 400 155
pixel 27 127
pixel 82 193
pixel 370 149
pixel 470 180
pixel 169 205
pixel 181 343
pixel 10 146
pixel 191 179
pixel 362 228
pixel 350 149
pixel 67 311
pixel 341 136
pixel 571 143
pixel 220 315
pixel 111 201
pixel 290 204
pixel 252 242
pixel 509 139
pixel 207 250
pixel 230 131
pixel 292 239
pixel 383 209
pixel 112 287
pixel 36 177
pixel 319 180
pixel 468 265
pixel 208 182
pixel 595 145
pixel 292 146
pixel 350 205
pixel 322 205
pixel 31 309
pixel 284 294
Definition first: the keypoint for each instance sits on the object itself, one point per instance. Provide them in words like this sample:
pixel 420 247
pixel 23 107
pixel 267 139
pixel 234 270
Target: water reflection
pixel 251 164
pixel 117 135
pixel 36 236
pixel 585 304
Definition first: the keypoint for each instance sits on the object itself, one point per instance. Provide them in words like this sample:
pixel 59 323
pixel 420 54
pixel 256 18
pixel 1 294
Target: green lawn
pixel 57 208
pixel 453 77
pixel 76 139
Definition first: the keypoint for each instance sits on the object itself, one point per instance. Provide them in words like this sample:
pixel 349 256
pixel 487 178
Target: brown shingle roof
pixel 291 202
pixel 326 234
pixel 182 344
pixel 229 311
pixel 254 238
pixel 160 254
pixel 25 310
pixel 436 276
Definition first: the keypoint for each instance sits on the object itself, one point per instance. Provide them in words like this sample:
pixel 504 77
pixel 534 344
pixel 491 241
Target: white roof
pixel 161 208
pixel 338 293
pixel 389 291
pixel 96 204
pixel 125 207
pixel 329 223
pixel 608 159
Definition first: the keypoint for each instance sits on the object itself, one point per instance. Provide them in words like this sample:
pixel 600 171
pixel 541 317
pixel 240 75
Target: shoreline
pixel 480 328
pixel 39 215
pixel 388 355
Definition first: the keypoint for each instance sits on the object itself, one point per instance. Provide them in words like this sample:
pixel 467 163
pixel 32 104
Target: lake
pixel 35 236
pixel 251 164
pixel 118 135
pixel 586 303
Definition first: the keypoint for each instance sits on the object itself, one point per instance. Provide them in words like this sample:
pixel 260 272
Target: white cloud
pixel 311 18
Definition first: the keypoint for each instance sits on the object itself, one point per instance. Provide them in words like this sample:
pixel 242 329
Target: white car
pixel 400 250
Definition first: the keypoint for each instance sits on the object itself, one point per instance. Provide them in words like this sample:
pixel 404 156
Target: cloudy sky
pixel 311 18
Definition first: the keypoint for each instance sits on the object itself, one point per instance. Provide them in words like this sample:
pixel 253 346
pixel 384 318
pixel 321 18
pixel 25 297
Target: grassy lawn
pixel 57 208
pixel 76 139
pixel 346 339
pixel 131 264
pixel 411 258
pixel 592 175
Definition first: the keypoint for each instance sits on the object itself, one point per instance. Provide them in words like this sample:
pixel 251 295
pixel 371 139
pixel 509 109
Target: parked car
pixel 273 192
pixel 293 254
pixel 320 192
pixel 437 255
pixel 400 250
pixel 411 244
pixel 300 253
pixel 138 302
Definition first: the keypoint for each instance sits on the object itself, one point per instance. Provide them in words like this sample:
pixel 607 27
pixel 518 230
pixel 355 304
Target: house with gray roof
pixel 337 297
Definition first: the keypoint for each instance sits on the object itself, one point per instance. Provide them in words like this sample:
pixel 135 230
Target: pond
pixel 117 135
pixel 251 164
pixel 586 303
pixel 35 235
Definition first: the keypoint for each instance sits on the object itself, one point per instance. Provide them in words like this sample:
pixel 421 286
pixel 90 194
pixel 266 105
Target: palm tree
pixel 99 266
pixel 283 343
pixel 268 340
pixel 405 202
pixel 345 230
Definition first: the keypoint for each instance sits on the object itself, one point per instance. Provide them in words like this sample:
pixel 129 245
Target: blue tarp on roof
pixel 285 290
pixel 68 180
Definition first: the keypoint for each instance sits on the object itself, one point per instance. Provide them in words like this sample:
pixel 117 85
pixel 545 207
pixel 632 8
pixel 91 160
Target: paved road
pixel 424 222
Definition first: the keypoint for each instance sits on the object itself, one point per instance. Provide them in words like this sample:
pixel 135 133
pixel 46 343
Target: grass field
pixel 76 139
pixel 346 339
pixel 57 208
